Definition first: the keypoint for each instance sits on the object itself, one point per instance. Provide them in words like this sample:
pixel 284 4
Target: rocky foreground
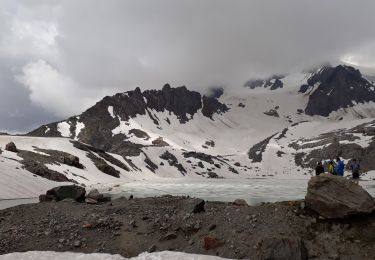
pixel 285 230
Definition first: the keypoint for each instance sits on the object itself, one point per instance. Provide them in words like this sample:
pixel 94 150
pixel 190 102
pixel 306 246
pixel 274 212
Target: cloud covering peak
pixel 58 57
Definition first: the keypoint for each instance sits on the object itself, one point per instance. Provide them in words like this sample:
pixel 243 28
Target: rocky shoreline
pixel 284 230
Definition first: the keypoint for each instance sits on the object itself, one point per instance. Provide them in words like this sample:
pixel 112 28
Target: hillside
pixel 274 127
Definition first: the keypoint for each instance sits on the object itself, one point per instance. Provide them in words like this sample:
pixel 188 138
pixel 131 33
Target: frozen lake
pixel 254 191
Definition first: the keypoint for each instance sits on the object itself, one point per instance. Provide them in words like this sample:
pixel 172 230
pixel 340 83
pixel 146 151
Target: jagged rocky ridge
pixel 273 82
pixel 332 88
pixel 99 123
pixel 100 126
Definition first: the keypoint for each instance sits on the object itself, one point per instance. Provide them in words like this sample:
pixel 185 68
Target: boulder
pixel 212 175
pixel 280 248
pixel 11 147
pixel 240 202
pixel 336 197
pixel 94 196
pixel 72 161
pixel 46 198
pixel 68 192
pixel 193 206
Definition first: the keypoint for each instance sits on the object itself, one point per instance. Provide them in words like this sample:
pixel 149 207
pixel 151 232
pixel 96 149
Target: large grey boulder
pixel 67 192
pixel 336 197
pixel 281 248
pixel 11 147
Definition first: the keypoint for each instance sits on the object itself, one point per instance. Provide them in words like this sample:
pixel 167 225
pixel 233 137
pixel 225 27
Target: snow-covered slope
pixel 254 131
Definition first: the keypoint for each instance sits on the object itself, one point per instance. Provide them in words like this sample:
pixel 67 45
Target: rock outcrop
pixel 74 192
pixel 273 82
pixel 336 197
pixel 11 147
pixel 96 124
pixel 332 88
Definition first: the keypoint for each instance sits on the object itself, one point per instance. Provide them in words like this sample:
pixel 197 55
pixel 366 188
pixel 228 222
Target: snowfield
pixel 48 255
pixel 268 121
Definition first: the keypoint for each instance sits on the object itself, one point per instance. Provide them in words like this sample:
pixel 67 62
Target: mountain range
pixel 280 126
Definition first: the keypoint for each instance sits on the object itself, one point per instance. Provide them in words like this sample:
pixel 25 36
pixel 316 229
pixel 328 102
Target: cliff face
pixel 104 116
pixel 338 87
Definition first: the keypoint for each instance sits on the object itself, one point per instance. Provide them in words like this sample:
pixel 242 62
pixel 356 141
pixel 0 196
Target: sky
pixel 59 57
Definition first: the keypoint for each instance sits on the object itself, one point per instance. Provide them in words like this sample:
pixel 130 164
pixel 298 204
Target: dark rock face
pixel 256 152
pixel 101 153
pixel 273 82
pixel 172 160
pixel 336 197
pixel 212 175
pixel 11 147
pixel 279 248
pixel 103 166
pixel 179 101
pixel 200 156
pixel 99 120
pixel 41 170
pixel 342 142
pixel 212 106
pixel 272 112
pixel 338 87
pixel 68 192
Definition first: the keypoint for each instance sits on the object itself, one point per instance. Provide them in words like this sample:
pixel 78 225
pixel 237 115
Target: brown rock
pixel 211 243
pixel 336 197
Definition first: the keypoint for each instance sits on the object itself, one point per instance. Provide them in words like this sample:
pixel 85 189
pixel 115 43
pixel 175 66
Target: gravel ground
pixel 129 227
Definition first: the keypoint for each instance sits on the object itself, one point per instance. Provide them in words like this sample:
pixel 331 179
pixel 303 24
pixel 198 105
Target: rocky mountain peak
pixel 273 82
pixel 332 88
pixel 95 125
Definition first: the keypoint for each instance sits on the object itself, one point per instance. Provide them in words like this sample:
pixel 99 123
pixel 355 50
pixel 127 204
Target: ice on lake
pixel 254 191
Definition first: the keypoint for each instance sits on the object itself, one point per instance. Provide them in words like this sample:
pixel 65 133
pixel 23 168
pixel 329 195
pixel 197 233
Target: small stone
pixel 169 236
pixel 151 249
pixel 132 223
pixel 77 243
pixel 211 243
pixel 212 227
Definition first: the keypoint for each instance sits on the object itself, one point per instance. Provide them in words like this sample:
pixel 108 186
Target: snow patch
pixel 110 111
pixel 64 129
pixel 79 128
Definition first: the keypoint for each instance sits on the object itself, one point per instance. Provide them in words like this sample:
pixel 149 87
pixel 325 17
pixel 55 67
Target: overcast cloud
pixel 57 58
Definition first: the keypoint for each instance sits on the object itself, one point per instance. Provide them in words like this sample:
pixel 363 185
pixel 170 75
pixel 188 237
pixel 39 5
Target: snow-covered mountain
pixel 279 126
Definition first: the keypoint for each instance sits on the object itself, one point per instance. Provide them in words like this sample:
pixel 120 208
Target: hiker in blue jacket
pixel 340 167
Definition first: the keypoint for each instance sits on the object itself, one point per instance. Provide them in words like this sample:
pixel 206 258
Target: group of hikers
pixel 338 168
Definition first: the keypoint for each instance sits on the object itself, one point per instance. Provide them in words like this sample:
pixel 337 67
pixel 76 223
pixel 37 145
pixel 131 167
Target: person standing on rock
pixel 355 167
pixel 319 169
pixel 340 167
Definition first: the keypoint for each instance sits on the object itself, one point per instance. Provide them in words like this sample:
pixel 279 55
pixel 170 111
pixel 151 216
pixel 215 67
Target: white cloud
pixel 52 90
pixel 93 48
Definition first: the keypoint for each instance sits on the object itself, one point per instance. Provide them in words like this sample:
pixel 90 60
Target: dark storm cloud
pixel 67 54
